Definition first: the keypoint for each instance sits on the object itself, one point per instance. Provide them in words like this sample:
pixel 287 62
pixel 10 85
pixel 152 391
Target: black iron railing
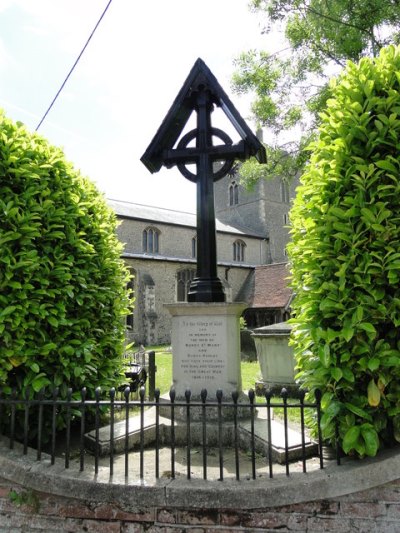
pixel 143 438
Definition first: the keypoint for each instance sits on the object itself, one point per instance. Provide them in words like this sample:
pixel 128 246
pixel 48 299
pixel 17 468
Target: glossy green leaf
pixel 358 411
pixel 368 327
pixel 325 355
pixel 336 373
pixel 371 439
pixel 373 364
pixel 387 165
pixel 350 439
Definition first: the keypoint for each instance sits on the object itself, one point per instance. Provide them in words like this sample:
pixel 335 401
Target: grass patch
pixel 164 371
pixel 250 374
pixel 250 370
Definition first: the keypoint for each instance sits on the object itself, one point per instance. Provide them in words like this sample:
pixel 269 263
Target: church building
pixel 160 251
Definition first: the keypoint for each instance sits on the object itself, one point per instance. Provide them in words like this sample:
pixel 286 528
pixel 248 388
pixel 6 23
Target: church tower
pixel 263 210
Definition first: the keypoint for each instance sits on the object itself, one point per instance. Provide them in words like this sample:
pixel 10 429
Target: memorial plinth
pixel 206 347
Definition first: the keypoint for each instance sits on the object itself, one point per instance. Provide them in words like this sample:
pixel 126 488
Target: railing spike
pixel 194 407
pixel 251 395
pixel 142 393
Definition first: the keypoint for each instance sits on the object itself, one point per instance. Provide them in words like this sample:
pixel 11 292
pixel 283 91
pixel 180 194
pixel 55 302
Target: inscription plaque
pixel 204 345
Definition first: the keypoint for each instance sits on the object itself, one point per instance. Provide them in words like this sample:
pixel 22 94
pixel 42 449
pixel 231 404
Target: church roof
pixel 167 216
pixel 267 287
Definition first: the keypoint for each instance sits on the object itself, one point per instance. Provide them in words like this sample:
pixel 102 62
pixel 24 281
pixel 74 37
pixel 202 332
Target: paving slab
pixel 295 447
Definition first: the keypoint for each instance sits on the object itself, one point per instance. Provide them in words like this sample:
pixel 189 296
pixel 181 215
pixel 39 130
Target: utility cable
pixel 73 66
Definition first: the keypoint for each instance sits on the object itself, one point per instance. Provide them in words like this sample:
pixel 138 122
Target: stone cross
pixel 200 93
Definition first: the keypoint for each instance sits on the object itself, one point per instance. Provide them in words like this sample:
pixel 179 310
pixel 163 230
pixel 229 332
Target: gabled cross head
pixel 200 93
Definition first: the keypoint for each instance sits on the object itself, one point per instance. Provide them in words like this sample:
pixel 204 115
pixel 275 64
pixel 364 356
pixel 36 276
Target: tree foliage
pixel 62 282
pixel 290 86
pixel 345 257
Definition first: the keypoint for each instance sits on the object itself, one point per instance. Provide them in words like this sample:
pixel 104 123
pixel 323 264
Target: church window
pixel 233 193
pixel 150 300
pixel 194 247
pixel 131 289
pixel 238 250
pixel 285 197
pixel 151 238
pixel 183 280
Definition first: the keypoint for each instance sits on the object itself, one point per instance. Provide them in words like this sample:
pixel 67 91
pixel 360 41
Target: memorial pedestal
pixel 206 348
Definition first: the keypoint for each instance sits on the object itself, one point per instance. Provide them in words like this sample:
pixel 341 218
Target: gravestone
pixel 205 331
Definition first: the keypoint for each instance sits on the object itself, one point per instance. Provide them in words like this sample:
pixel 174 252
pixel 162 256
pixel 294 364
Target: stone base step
pixel 133 441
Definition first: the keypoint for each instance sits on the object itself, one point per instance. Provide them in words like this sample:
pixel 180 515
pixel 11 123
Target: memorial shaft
pixel 206 287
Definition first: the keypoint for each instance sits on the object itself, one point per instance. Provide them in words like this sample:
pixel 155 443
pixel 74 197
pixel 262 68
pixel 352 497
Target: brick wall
pixel 374 510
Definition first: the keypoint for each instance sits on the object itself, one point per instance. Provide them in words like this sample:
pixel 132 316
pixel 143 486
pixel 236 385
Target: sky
pixel 124 83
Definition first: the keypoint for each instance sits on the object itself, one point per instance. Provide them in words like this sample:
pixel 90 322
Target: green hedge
pixel 62 283
pixel 345 257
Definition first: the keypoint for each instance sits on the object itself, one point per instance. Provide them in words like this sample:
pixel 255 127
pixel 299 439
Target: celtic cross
pixel 200 93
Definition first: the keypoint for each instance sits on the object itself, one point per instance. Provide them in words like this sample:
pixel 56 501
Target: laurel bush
pixel 62 282
pixel 345 259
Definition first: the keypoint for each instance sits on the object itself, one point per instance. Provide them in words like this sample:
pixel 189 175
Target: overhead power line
pixel 73 66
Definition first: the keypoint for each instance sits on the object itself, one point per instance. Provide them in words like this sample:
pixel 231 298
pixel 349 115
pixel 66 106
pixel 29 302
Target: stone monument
pixel 205 330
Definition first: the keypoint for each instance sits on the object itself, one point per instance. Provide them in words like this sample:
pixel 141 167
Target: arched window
pixel 238 250
pixel 150 240
pixel 233 193
pixel 183 280
pixel 285 191
pixel 131 289
pixel 194 247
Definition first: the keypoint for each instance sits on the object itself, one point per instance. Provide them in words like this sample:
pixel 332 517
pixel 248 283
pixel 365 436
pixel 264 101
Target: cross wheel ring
pixel 227 163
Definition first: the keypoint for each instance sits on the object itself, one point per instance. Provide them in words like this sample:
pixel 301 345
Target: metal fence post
pixel 181 438
pixel 152 374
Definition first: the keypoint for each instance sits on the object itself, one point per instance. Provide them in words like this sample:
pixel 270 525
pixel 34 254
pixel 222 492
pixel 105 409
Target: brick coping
pixel 333 481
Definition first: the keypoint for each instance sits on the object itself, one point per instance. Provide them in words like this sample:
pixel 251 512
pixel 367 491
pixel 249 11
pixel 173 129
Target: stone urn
pixel 275 356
